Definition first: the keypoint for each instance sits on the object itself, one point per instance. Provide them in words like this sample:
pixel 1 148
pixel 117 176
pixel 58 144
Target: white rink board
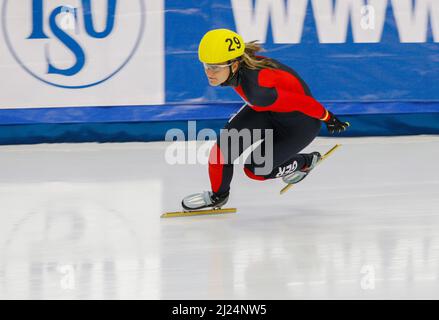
pixel 82 221
pixel 126 67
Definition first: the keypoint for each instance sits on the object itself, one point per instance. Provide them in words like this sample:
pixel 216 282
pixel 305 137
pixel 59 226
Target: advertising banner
pixel 137 52
pixel 81 53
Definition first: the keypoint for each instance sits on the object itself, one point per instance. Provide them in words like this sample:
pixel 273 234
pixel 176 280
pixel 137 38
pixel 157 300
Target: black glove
pixel 335 125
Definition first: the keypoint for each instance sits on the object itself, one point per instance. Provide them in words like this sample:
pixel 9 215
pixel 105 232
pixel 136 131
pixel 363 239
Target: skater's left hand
pixel 335 125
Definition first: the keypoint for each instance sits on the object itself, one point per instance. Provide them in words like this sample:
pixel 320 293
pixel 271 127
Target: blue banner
pixel 346 50
pixel 113 70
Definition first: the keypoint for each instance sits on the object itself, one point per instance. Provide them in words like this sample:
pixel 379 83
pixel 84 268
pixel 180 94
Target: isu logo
pixel 73 43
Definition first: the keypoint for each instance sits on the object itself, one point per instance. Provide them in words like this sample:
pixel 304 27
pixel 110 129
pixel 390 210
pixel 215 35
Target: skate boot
pixel 299 175
pixel 206 199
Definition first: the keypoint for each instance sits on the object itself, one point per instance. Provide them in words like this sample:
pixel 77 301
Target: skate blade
pixel 288 186
pixel 197 213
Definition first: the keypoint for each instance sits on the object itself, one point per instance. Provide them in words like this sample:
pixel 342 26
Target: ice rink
pixel 82 221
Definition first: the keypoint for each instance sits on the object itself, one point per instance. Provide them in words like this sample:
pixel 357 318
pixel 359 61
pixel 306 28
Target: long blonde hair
pixel 249 58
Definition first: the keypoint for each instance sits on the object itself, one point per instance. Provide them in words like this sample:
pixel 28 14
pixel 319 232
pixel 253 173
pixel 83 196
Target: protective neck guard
pixel 234 78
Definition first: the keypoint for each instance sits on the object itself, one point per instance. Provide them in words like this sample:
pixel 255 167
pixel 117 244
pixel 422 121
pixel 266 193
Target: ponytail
pixel 250 60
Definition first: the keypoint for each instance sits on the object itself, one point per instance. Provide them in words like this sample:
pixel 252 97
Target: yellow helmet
pixel 220 45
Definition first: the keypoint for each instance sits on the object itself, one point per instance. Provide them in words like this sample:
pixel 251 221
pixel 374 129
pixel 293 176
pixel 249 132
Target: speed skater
pixel 276 98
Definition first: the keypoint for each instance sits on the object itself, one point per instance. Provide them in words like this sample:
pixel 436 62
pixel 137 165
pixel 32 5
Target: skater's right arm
pixel 280 91
pixel 284 93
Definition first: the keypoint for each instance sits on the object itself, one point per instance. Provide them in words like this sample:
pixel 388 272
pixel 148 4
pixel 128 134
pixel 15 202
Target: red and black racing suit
pixel 276 99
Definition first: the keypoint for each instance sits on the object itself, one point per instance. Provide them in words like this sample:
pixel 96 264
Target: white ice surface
pixel 82 221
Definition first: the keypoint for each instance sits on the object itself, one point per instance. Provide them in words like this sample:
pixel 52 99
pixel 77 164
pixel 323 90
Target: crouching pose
pixel 277 101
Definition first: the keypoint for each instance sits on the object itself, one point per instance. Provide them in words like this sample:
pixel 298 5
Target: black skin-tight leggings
pixel 291 133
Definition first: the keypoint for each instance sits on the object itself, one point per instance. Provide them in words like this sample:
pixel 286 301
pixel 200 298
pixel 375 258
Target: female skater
pixel 276 98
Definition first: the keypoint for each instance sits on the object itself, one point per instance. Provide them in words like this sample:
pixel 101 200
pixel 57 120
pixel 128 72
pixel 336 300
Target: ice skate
pixel 195 203
pixel 205 199
pixel 297 176
pixel 301 174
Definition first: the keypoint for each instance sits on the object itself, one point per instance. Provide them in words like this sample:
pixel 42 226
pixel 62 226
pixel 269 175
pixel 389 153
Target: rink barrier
pixel 150 123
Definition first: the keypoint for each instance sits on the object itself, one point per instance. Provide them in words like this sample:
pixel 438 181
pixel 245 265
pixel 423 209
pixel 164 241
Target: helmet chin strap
pixel 231 80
